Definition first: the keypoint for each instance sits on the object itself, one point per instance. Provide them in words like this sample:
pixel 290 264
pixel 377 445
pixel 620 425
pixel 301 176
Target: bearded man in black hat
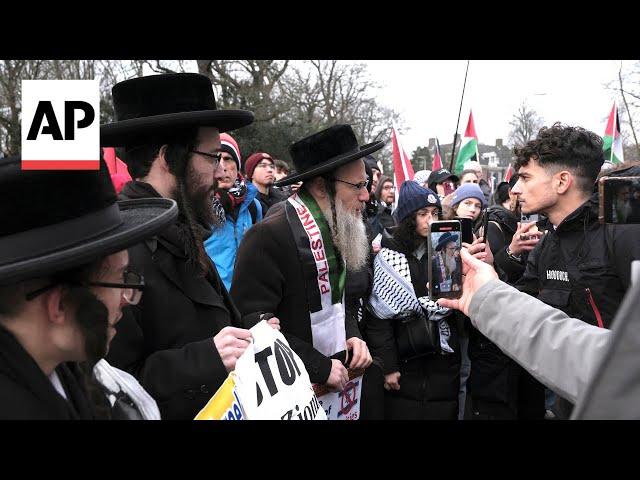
pixel 183 338
pixel 295 261
pixel 64 279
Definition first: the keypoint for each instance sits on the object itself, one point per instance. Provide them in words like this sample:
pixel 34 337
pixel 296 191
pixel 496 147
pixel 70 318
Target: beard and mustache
pixel 349 234
pixel 199 210
pixel 92 319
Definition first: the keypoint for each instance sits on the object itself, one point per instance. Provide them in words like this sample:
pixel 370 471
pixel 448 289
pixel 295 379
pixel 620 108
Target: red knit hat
pixel 253 160
pixel 229 145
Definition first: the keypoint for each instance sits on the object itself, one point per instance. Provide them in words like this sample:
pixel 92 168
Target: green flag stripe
pixel 467 151
pixel 336 274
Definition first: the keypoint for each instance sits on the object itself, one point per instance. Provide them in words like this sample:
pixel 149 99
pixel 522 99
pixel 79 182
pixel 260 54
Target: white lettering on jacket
pixel 557 275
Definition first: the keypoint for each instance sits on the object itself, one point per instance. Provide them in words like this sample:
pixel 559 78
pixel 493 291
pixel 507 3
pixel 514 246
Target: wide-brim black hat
pixel 325 151
pixel 147 107
pixel 58 220
pixel 446 238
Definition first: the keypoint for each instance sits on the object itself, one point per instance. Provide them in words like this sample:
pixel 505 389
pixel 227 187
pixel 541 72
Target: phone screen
pixel 620 200
pixel 445 242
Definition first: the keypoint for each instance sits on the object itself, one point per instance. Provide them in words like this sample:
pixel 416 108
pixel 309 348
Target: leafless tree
pixel 525 124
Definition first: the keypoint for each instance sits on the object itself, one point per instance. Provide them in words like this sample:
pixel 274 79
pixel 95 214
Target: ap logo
pixel 60 125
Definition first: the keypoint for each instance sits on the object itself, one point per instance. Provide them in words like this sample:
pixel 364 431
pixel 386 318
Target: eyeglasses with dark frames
pixel 214 156
pixel 357 186
pixel 132 287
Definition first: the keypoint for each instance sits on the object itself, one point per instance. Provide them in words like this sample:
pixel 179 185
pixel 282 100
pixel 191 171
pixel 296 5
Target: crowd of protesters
pixel 129 292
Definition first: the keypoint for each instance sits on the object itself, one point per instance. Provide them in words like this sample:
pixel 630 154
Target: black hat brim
pixel 141 219
pixel 330 164
pixel 131 131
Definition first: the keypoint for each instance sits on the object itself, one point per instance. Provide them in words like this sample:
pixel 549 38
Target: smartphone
pixel 619 199
pixel 532 217
pixel 445 269
pixel 466 224
pixel 484 225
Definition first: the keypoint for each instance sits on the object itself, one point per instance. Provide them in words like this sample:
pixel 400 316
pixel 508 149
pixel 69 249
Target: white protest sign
pixel 272 382
pixel 343 405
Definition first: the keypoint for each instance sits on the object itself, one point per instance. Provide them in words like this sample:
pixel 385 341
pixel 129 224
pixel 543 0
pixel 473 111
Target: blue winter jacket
pixel 223 244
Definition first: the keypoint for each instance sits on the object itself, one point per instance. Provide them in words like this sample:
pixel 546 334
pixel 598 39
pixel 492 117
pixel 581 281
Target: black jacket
pixel 429 384
pixel 268 277
pixel 166 341
pixel 27 394
pixel 583 267
pixel 499 387
pixel 274 196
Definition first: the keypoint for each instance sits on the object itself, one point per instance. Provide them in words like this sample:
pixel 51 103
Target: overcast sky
pixel 427 94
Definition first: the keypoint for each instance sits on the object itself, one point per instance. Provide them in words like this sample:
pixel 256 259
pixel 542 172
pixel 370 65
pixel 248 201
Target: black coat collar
pixel 21 368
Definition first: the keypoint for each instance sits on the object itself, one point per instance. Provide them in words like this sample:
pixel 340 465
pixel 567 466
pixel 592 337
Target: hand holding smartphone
pixel 445 264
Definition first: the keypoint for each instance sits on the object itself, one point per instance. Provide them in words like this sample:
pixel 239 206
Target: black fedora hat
pixel 325 151
pixel 56 220
pixel 446 238
pixel 149 106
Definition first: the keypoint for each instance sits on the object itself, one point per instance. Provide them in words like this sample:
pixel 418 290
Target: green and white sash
pixel 324 273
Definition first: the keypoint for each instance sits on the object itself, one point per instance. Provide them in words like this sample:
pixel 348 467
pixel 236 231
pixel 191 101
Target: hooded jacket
pixel 222 245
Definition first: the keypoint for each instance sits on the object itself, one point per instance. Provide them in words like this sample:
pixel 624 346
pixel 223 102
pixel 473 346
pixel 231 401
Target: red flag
pixel 437 158
pixel 471 128
pixel 509 174
pixel 402 168
pixel 117 169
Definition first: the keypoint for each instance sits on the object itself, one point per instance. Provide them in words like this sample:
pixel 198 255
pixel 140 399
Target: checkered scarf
pixel 393 293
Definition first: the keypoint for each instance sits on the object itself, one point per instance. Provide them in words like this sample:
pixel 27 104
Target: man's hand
pixel 392 381
pixel 338 377
pixel 525 238
pixel 360 356
pixel 475 273
pixel 274 322
pixel 480 249
pixel 295 187
pixel 231 342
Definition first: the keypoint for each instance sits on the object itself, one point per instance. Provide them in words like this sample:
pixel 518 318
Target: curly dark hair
pixel 561 146
pixel 405 233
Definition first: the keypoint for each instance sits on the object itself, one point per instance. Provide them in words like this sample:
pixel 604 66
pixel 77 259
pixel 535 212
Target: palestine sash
pixel 324 274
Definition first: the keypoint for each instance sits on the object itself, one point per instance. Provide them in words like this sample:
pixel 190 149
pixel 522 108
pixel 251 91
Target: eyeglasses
pixel 215 156
pixel 132 287
pixel 357 186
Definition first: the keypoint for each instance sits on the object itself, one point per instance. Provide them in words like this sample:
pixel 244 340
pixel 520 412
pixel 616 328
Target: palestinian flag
pixel 402 168
pixel 437 158
pixel 613 139
pixel 468 147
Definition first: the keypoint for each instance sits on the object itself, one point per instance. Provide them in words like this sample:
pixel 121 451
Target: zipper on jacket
pixel 594 307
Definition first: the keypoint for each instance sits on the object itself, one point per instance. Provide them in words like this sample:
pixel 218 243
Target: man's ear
pixel 563 181
pixel 318 187
pixel 162 159
pixel 57 311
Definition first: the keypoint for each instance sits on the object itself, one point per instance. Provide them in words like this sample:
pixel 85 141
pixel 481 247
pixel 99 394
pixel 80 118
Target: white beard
pixel 349 236
pixel 451 263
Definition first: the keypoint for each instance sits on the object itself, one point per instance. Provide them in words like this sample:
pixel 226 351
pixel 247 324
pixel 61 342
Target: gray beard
pixel 349 236
pixel 451 263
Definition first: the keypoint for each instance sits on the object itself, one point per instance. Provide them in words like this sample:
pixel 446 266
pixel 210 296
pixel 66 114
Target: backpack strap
pixel 255 210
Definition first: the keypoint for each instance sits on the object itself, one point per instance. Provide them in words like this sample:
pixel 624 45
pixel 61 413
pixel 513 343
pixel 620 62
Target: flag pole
pixel 455 135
